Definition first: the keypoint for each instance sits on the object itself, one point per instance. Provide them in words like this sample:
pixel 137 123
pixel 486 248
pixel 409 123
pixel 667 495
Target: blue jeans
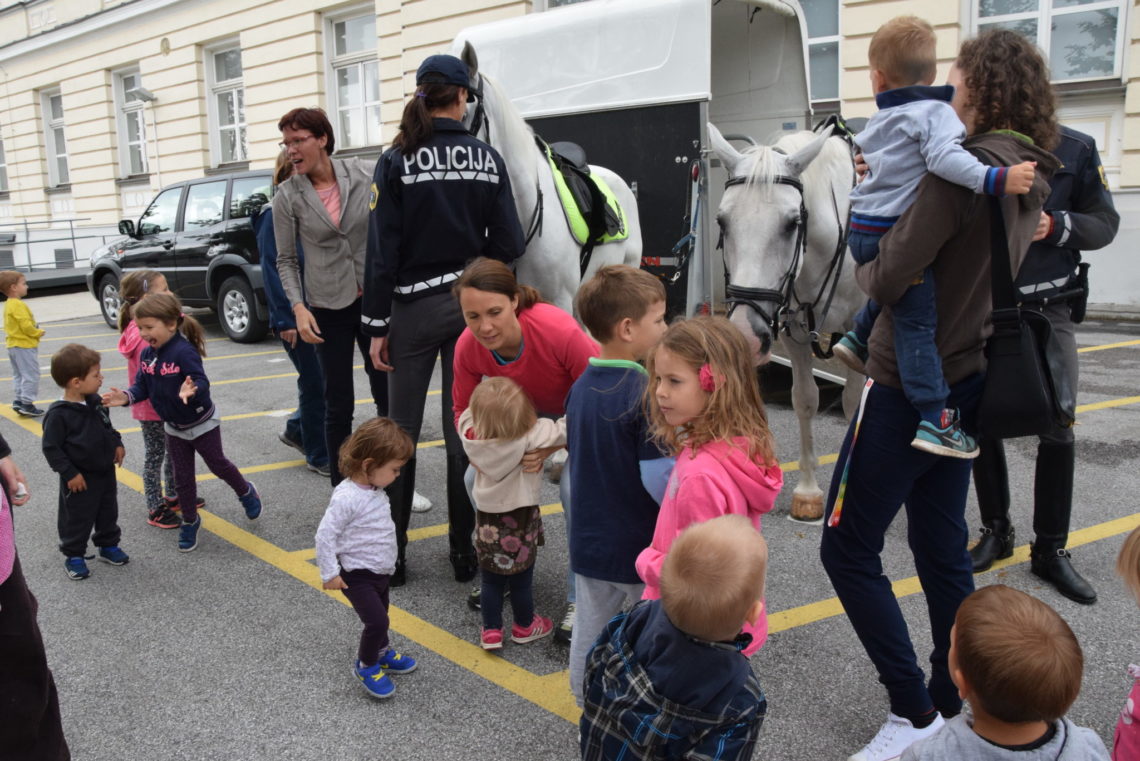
pixel 307 423
pixel 886 473
pixel 915 320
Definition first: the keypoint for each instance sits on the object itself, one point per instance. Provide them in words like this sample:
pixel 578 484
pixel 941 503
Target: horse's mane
pixel 508 123
pixel 769 161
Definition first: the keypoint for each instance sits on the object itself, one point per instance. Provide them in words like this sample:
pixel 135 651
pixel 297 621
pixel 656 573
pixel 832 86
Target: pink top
pixel 131 346
pixel 555 351
pixel 7 539
pixel 719 480
pixel 330 197
pixel 1126 740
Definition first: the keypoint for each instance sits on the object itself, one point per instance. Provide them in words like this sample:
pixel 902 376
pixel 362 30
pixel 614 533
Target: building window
pixel 227 104
pixel 54 140
pixel 3 170
pixel 132 124
pixel 1083 40
pixel 557 3
pixel 355 79
pixel 822 18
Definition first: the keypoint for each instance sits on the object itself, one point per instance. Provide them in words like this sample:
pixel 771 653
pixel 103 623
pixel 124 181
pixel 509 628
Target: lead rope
pixel 837 510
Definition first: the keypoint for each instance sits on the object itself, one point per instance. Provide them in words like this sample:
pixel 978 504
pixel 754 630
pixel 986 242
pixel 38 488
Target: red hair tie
pixel 710 381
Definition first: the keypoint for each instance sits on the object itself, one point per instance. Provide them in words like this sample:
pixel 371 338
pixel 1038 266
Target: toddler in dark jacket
pixel 82 446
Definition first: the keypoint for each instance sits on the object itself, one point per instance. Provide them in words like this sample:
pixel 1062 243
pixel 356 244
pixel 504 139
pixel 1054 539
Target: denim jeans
pixel 915 320
pixel 887 473
pixel 494 586
pixel 307 423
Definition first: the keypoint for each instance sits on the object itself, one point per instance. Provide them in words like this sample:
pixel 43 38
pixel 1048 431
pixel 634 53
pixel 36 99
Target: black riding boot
pixel 461 520
pixel 400 493
pixel 991 483
pixel 1052 507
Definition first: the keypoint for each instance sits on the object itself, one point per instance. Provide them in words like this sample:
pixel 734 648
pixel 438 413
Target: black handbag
pixel 1026 391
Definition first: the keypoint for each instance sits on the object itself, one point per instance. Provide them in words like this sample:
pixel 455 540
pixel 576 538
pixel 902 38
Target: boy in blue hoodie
pixel 915 131
pixel 668 680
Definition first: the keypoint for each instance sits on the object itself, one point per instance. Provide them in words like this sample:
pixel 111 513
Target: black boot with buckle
pixel 1052 506
pixel 996 544
pixel 991 484
pixel 461 520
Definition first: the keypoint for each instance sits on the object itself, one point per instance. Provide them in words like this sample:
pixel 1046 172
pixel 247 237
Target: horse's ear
pixel 799 160
pixel 468 57
pixel 728 155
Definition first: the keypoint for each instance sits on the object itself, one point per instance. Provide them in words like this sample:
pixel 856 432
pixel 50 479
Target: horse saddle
pixel 592 212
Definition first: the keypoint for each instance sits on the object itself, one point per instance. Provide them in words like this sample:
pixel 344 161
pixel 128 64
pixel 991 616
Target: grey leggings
pixel 157 466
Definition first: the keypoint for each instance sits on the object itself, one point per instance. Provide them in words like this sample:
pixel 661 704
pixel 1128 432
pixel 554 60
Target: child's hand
pixel 115 398
pixel 120 453
pixel 336 582
pixel 532 461
pixel 188 390
pixel 77 484
pixel 1019 178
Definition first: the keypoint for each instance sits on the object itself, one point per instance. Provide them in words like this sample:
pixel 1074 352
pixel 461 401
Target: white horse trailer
pixel 635 82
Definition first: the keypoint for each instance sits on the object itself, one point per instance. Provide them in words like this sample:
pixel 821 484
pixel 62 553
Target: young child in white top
pixel 356 545
pixel 498 427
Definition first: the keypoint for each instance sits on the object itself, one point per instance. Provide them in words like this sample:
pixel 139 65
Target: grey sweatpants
pixel 598 602
pixel 25 373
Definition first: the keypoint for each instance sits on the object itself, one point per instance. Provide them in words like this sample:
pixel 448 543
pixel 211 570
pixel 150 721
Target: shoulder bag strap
pixel 1001 278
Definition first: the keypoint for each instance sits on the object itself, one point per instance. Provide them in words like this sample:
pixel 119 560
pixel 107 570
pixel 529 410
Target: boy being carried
pixel 668 680
pixel 82 446
pixel 613 516
pixel 1019 665
pixel 915 131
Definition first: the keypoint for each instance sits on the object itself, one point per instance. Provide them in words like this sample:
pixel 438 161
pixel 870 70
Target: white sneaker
pixel 896 735
pixel 420 503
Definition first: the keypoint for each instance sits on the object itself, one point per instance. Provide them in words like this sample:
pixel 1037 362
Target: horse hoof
pixel 807 508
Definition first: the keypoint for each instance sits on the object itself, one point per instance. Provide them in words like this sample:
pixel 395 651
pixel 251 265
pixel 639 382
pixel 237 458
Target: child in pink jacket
pixel 705 407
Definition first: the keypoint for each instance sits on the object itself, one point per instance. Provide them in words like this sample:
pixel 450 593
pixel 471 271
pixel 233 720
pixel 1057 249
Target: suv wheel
pixel 237 312
pixel 108 295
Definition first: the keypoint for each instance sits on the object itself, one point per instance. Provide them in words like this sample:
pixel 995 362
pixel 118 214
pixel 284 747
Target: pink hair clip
pixel 710 381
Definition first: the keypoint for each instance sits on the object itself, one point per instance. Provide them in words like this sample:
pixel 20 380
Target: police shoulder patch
pixel 373 197
pixel 1103 179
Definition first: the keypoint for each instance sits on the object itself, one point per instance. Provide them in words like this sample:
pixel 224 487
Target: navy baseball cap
pixel 444 70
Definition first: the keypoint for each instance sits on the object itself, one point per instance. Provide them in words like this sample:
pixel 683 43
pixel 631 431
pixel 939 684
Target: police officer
pixel 440 198
pixel 1078 215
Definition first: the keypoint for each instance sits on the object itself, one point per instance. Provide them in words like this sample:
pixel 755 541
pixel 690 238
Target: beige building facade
pixel 102 102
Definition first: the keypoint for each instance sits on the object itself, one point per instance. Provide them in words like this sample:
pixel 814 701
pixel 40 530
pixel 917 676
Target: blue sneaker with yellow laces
pixel 375 681
pixel 394 663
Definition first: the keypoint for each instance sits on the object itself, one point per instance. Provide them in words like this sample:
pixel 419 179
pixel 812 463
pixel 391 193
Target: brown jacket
pixel 948 228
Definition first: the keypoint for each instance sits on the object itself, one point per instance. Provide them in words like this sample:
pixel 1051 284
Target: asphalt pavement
pixel 233 651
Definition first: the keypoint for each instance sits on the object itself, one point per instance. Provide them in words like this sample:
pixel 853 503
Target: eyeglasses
pixel 295 143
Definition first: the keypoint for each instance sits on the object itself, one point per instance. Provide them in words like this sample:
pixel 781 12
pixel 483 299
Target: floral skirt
pixel 506 542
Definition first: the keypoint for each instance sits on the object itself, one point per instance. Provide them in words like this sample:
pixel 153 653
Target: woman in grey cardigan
pixel 324 205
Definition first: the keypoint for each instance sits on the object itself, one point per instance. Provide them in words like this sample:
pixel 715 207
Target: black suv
pixel 198 234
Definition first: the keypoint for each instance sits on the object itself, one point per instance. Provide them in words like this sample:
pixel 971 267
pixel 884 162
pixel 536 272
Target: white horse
pixel 780 267
pixel 551 261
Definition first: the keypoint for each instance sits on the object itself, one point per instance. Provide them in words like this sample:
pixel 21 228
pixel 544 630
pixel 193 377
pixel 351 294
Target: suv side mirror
pixel 127 227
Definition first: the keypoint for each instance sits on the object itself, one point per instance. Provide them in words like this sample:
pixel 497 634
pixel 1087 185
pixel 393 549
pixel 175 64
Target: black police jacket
pixel 1083 215
pixel 432 212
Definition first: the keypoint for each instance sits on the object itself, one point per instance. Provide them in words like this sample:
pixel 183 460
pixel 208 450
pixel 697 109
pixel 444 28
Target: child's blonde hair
pixel 134 286
pixel 9 278
pixel 380 440
pixel 167 307
pixel 713 575
pixel 904 50
pixel 732 409
pixel 1128 562
pixel 500 409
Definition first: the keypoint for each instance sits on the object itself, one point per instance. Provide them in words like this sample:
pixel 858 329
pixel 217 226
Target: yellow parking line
pixel 240 355
pixel 1102 347
pixel 108 334
pixel 1107 404
pixel 65 323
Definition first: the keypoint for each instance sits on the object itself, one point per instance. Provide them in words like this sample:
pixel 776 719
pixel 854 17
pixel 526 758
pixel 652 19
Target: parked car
pixel 198 234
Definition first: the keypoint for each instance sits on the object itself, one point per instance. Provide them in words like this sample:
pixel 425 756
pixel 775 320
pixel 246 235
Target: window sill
pixel 367 152
pixel 233 166
pixel 56 190
pixel 1103 87
pixel 134 179
pixel 5 195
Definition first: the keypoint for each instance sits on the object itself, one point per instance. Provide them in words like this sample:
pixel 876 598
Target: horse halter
pixel 782 296
pixel 479 120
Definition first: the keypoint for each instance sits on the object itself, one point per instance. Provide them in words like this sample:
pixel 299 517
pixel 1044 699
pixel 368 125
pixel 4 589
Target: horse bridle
pixel 781 297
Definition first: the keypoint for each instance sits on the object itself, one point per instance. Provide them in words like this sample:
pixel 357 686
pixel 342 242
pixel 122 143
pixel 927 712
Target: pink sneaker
pixel 540 627
pixel 491 639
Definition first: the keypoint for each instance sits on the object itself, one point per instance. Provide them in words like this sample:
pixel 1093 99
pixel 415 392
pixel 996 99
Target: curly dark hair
pixel 1009 87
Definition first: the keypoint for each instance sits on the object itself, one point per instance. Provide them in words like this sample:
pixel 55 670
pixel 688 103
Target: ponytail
pixel 415 125
pixel 192 330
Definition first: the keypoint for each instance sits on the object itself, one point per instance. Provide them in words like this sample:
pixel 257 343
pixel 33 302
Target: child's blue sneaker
pixel 76 568
pixel 375 681
pixel 251 501
pixel 394 663
pixel 947 439
pixel 852 352
pixel 114 556
pixel 188 535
